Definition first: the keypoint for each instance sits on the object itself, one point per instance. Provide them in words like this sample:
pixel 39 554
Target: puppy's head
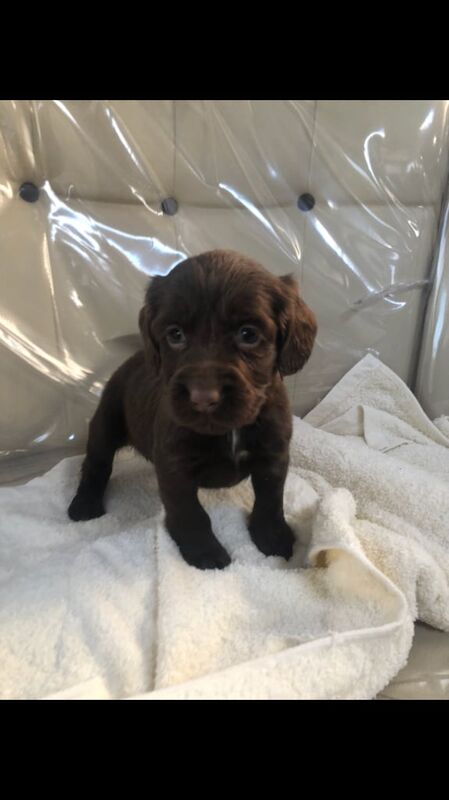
pixel 218 328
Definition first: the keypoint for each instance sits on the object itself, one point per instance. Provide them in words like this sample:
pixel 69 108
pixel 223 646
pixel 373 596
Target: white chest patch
pixel 237 453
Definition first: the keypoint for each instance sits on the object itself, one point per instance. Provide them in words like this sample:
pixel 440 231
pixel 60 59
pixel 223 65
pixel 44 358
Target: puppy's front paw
pixel 212 556
pixel 85 506
pixel 273 538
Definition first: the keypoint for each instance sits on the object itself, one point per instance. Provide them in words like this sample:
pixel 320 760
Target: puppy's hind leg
pixel 107 434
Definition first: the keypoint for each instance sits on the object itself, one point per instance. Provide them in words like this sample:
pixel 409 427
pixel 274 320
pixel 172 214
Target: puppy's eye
pixel 248 336
pixel 175 337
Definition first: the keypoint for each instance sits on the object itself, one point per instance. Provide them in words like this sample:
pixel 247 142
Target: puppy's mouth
pixel 237 406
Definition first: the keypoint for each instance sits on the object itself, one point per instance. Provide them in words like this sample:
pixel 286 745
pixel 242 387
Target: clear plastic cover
pixel 98 196
pixel 432 385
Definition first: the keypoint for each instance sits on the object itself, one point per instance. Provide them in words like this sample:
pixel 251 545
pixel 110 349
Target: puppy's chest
pixel 223 461
pixel 237 447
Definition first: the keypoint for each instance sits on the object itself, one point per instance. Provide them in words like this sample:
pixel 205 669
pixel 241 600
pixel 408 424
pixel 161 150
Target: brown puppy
pixel 204 401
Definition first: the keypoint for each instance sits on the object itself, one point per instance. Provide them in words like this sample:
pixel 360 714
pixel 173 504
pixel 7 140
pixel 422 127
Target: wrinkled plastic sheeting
pixel 98 196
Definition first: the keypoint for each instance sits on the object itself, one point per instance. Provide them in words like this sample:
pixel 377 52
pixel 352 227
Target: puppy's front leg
pixel 189 525
pixel 267 526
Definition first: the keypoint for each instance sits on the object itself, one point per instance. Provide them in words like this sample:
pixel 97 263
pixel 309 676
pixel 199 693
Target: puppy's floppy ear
pixel 297 328
pixel 150 346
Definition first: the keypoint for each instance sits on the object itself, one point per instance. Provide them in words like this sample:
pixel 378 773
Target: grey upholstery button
pixel 169 206
pixel 29 192
pixel 306 202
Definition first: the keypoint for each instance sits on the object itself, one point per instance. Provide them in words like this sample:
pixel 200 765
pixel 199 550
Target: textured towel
pixel 108 608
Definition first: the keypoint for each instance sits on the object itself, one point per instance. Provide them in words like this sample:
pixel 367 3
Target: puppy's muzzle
pixel 205 386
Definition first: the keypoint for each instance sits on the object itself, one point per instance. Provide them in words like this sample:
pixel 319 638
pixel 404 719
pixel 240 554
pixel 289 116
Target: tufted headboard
pixel 97 196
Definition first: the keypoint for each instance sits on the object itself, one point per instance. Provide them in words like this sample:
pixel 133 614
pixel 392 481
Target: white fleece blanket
pixel 108 608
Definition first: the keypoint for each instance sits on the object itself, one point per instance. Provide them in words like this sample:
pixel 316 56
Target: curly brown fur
pixel 204 400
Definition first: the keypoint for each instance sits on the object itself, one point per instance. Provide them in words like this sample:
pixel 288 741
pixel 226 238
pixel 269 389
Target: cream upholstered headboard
pixel 96 196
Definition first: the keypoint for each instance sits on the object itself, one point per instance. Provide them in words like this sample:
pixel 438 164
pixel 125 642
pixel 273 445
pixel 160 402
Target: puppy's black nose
pixel 204 399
